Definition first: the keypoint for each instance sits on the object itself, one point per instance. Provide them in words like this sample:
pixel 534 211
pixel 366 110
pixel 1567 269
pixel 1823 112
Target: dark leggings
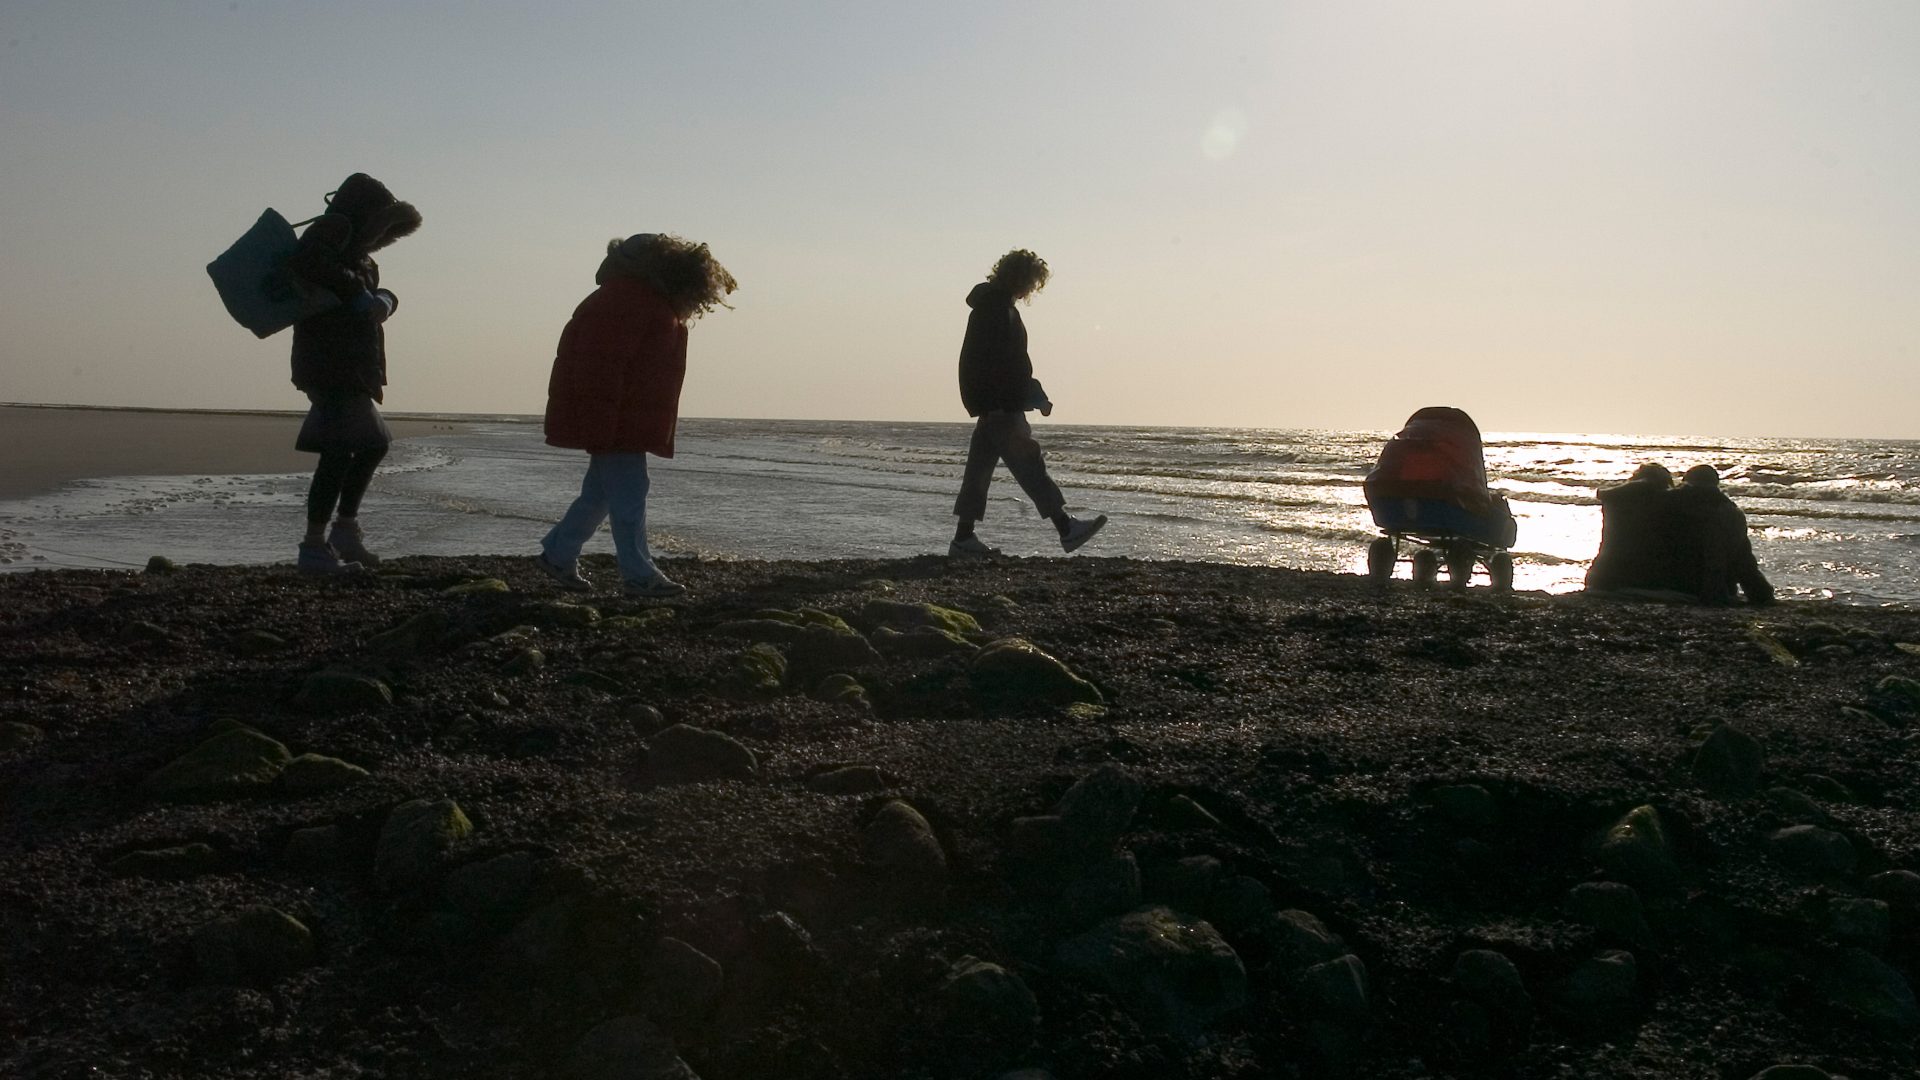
pixel 341 479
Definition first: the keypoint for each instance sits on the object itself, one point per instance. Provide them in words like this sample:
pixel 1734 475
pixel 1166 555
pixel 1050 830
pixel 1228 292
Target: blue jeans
pixel 616 486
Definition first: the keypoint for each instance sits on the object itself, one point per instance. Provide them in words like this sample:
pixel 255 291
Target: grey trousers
pixel 1005 435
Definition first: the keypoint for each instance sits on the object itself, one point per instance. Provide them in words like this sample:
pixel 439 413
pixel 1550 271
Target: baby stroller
pixel 1429 491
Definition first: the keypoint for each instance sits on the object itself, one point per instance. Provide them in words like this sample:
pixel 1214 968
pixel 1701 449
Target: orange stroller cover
pixel 1437 455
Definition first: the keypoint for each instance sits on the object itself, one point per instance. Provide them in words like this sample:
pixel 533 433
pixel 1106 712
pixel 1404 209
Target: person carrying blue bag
pixel 340 363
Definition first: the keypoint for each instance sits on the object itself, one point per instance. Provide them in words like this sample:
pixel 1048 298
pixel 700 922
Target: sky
pixel 1622 216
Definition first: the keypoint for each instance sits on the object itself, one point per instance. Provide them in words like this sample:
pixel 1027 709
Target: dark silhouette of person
pixel 997 386
pixel 1636 527
pixel 1717 553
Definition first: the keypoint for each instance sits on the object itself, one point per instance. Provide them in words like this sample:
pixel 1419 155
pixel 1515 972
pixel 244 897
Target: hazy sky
pixel 1609 216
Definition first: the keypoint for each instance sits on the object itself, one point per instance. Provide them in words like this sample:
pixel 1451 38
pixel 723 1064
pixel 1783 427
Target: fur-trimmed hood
pixel 378 218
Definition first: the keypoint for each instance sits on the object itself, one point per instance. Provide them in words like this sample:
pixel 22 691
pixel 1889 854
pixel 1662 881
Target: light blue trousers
pixel 616 486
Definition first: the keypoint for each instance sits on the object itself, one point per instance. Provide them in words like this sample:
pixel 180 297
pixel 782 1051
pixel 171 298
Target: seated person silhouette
pixel 1686 543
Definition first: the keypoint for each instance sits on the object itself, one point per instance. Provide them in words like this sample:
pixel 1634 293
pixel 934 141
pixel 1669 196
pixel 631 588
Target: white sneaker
pixel 351 544
pixel 567 577
pixel 970 547
pixel 1081 531
pixel 322 561
pixel 657 587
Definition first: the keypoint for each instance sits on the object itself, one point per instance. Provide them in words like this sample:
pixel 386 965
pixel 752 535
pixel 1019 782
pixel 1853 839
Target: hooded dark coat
pixel 1718 552
pixel 617 374
pixel 343 349
pixel 1640 545
pixel 995 371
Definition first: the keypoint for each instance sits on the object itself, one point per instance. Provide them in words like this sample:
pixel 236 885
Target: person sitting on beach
pixel 340 363
pixel 1636 544
pixel 1717 552
pixel 615 393
pixel 998 387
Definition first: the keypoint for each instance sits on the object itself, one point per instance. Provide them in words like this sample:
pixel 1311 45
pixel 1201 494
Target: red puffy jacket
pixel 616 379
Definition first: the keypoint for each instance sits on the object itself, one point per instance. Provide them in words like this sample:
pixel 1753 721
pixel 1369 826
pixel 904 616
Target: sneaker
pixel 1080 531
pixel 322 560
pixel 567 576
pixel 657 587
pixel 970 547
pixel 346 541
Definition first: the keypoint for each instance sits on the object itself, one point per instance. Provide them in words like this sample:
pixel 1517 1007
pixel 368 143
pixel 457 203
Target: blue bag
pixel 253 280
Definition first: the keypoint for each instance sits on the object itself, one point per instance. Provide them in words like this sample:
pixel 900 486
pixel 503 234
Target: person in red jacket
pixel 615 393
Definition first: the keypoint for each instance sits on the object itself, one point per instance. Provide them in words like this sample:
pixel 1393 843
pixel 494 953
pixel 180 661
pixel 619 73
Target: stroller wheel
pixel 1500 569
pixel 1380 559
pixel 1426 567
pixel 1460 567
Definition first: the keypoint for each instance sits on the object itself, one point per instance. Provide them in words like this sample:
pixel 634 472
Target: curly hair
pixel 686 273
pixel 1022 273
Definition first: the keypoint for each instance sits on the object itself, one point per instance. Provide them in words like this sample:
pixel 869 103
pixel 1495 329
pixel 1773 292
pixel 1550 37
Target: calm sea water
pixel 1832 519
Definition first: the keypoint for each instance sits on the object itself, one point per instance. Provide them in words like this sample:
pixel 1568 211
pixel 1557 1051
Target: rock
pixel 1103 887
pixel 1793 1072
pixel 1795 806
pixel 1336 990
pixel 848 780
pixel 16 735
pixel 1900 688
pixel 1862 984
pixel 770 631
pixel 561 615
pixel 1239 903
pixel 492 891
pixel 1866 923
pixel 1014 671
pixel 1491 981
pixel 1173 973
pixel 412 636
pixel 1601 989
pixel 1899 888
pixel 477 587
pixel 415 838
pixel 1026 1074
pixel 1299 940
pixel 237 762
pixel 628 1048
pixel 317 774
pixel 142 632
pixel 1467 805
pixel 639 620
pixel 525 662
pixel 904 615
pixel 1827 788
pixel 815 617
pixel 921 643
pixel 315 849
pixel 1100 805
pixel 689 755
pixel 1636 851
pixel 593 680
pixel 1187 884
pixel 1728 763
pixel 899 845
pixel 644 717
pixel 160 564
pixel 824 649
pixel 682 981
pixel 172 863
pixel 339 691
pixel 260 945
pixel 258 643
pixel 1813 850
pixel 759 670
pixel 985 1017
pixel 843 690
pixel 1610 907
pixel 1181 812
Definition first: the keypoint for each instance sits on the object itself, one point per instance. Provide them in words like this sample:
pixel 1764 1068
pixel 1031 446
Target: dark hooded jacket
pixel 1639 538
pixel 1718 551
pixel 995 371
pixel 343 349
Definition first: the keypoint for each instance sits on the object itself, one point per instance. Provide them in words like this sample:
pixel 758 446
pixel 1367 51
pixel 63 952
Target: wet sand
pixel 45 447
pixel 1369 834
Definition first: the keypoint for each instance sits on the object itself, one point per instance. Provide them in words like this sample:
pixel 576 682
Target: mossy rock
pixel 258 947
pixel 640 620
pixel 17 735
pixel 477 587
pixel 340 691
pixel 258 643
pixel 921 643
pixel 318 774
pixel 905 615
pixel 1636 850
pixel 414 840
pixel 167 864
pixel 683 755
pixel 758 669
pixel 561 615
pixel 525 662
pixel 842 689
pixel 411 636
pixel 595 681
pixel 1015 671
pixel 236 762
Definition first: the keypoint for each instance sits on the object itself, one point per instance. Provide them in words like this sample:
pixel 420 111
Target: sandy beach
pixel 47 446
pixel 832 820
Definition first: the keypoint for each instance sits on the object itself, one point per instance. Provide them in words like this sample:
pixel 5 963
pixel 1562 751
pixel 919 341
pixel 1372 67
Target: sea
pixel 1831 520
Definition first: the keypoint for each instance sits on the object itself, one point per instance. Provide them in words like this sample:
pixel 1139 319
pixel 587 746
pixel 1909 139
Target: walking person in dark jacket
pixel 340 363
pixel 998 387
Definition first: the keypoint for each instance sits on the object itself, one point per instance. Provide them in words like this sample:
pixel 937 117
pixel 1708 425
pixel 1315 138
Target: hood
pixel 987 294
pixel 378 218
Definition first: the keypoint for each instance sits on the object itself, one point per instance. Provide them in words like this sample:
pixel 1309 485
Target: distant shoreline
pixel 47 447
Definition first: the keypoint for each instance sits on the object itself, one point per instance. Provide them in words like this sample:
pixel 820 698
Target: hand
pixel 1046 408
pixel 376 305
